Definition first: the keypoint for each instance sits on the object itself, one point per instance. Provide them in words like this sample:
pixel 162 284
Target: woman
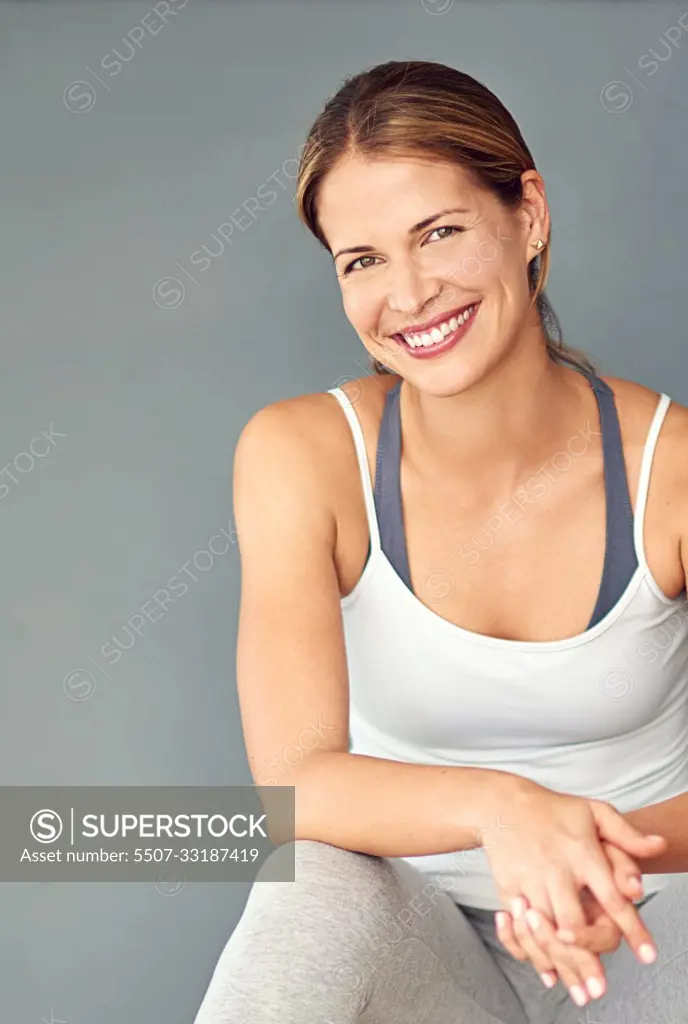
pixel 490 782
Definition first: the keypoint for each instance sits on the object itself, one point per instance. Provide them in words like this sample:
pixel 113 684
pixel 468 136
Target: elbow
pixel 286 803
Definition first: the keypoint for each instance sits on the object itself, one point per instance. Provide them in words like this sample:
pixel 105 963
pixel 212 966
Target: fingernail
pixel 595 987
pixel 500 918
pixel 648 954
pixel 579 995
pixel 518 906
pixel 636 881
pixel 548 979
pixel 653 836
pixel 566 936
pixel 533 919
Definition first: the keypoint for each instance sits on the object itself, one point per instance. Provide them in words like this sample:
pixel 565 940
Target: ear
pixel 534 211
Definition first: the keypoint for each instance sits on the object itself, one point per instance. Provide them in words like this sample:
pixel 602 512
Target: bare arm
pixel 668 819
pixel 292 672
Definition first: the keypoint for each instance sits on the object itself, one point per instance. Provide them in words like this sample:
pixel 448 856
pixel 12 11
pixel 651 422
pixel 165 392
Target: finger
pixel 612 826
pixel 537 897
pixel 627 874
pixel 601 934
pixel 504 928
pixel 628 879
pixel 567 909
pixel 527 941
pixel 580 970
pixel 600 881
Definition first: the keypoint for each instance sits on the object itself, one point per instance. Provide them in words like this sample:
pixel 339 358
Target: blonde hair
pixel 403 108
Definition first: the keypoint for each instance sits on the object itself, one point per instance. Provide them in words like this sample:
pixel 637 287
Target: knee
pixel 312 904
pixel 305 863
pixel 313 876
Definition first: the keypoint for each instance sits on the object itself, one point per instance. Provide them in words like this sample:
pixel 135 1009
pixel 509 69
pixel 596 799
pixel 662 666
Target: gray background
pixel 106 189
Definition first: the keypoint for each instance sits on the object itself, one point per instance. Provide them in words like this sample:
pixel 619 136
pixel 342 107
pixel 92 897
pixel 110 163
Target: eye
pixel 351 265
pixel 446 227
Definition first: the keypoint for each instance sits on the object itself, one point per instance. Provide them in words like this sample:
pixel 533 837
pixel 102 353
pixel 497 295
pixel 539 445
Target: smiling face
pixel 438 297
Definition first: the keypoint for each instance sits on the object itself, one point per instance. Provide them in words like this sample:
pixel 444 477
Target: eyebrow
pixel 412 231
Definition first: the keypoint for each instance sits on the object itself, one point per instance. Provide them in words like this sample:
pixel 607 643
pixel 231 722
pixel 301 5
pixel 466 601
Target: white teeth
pixel 438 333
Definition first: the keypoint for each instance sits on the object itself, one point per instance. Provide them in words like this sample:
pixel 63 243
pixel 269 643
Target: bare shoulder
pixel 637 405
pixel 316 420
pixel 308 435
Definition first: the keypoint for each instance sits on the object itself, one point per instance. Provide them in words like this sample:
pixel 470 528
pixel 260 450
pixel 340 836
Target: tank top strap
pixel 361 455
pixel 646 468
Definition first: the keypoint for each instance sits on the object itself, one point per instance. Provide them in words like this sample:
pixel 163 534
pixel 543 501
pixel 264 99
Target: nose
pixel 410 290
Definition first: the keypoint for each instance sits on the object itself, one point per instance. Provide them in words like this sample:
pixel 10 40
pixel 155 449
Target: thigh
pixel 425 961
pixel 541 1005
pixel 355 938
pixel 640 993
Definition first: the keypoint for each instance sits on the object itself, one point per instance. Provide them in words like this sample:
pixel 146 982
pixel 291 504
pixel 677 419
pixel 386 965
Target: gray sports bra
pixel 620 561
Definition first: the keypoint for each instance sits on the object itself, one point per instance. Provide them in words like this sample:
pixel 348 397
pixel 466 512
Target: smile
pixel 443 335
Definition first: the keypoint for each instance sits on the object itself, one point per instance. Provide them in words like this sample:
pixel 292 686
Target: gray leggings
pixel 363 938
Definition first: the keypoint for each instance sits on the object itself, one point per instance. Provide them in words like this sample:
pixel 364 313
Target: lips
pixel 440 347
pixel 435 322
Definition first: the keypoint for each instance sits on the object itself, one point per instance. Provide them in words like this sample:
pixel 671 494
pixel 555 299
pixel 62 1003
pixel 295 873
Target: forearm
pixel 668 819
pixel 395 809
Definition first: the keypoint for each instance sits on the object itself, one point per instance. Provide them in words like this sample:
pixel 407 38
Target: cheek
pixel 471 277
pixel 361 308
pixel 498 274
pixel 475 266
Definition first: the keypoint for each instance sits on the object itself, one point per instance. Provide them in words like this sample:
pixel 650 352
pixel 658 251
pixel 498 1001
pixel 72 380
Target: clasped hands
pixel 569 882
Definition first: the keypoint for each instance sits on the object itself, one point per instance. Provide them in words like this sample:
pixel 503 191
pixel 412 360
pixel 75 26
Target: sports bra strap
pixel 620 558
pixel 388 501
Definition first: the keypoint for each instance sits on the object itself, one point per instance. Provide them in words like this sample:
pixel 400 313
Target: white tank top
pixel 602 715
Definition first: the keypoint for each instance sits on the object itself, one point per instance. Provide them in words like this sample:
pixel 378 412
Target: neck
pixel 507 424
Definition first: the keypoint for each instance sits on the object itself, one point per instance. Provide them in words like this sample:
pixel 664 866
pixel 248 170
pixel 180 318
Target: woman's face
pixel 421 267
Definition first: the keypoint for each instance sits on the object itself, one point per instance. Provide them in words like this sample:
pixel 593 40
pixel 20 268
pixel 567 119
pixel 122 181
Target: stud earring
pixel 539 244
